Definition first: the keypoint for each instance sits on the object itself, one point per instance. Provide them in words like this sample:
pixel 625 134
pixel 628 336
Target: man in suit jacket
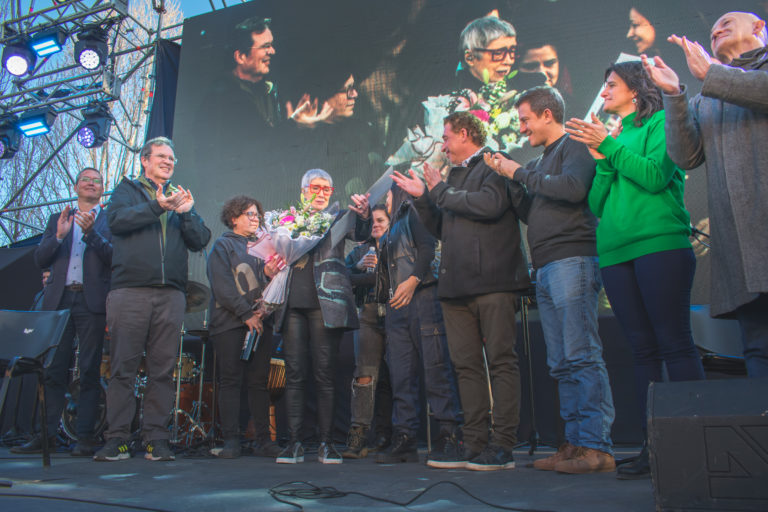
pixel 77 247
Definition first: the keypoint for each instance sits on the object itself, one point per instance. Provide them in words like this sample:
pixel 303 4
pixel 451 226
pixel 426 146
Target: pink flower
pixel 481 115
pixel 286 219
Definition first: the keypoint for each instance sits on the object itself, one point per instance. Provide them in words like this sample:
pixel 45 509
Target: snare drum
pixel 188 368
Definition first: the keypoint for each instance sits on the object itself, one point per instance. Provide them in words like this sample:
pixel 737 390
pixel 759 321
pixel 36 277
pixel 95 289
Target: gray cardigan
pixel 727 126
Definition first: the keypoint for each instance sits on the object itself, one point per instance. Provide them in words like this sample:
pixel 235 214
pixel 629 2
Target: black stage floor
pixel 206 483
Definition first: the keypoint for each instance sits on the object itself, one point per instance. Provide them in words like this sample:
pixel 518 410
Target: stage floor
pixel 206 483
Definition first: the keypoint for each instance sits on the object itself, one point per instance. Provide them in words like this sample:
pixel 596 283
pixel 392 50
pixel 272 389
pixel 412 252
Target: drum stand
pixel 526 299
pixel 192 419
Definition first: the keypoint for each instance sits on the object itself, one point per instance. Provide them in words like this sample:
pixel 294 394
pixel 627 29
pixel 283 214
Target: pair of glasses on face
pixel 169 158
pixel 348 91
pixel 252 215
pixel 95 181
pixel 534 65
pixel 498 54
pixel 317 189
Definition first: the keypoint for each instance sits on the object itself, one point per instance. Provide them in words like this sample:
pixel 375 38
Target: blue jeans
pixel 415 343
pixel 566 292
pixel 651 298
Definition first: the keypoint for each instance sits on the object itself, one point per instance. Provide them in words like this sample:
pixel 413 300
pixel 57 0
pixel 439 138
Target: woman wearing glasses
pixel 237 280
pixel 646 259
pixel 319 307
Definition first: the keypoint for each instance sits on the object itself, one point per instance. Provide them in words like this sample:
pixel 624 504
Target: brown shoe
pixel 587 460
pixel 565 452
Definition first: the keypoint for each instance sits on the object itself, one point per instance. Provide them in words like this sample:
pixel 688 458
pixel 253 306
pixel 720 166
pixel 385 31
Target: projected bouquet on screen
pixel 289 233
pixel 493 104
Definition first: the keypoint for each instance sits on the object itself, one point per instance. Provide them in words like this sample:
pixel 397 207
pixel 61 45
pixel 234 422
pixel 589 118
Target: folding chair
pixel 28 341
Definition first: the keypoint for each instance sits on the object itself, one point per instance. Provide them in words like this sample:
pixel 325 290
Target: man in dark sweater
pixel 481 269
pixel 561 236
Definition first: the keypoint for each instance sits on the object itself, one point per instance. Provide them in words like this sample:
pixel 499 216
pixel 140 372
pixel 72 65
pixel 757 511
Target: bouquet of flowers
pixel 493 104
pixel 289 233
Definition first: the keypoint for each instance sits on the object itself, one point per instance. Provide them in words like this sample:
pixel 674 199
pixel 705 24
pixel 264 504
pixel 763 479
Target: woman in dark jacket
pixel 237 281
pixel 319 307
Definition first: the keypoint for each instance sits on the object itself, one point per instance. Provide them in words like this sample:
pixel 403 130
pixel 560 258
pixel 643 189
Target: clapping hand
pixel 696 56
pixel 410 184
pixel 64 224
pixel 85 220
pixel 592 134
pixel 501 164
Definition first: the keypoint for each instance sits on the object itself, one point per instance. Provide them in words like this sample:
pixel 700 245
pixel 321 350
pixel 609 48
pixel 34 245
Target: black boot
pixel 638 469
pixel 35 445
pixel 403 450
pixel 356 443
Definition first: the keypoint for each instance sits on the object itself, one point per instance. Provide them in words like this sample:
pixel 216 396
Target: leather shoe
pixel 35 445
pixel 84 448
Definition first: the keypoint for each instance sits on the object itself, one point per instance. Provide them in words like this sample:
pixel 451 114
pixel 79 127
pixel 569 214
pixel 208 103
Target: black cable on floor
pixel 80 500
pixel 312 492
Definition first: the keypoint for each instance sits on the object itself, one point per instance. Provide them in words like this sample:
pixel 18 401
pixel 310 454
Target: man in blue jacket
pixel 154 225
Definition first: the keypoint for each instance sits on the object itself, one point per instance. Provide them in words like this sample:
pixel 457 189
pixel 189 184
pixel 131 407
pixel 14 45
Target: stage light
pixel 94 129
pixel 48 41
pixel 36 122
pixel 9 137
pixel 18 59
pixel 91 48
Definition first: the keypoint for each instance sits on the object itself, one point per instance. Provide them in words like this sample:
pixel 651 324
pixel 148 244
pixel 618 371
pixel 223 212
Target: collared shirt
pixel 75 269
pixel 465 163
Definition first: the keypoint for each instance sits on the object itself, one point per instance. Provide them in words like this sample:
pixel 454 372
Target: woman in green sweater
pixel 646 259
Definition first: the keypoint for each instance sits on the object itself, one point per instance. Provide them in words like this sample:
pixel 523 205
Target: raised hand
pixel 662 75
pixel 592 134
pixel 306 113
pixel 64 224
pixel 432 176
pixel 187 201
pixel 412 185
pixel 85 220
pixel 696 56
pixel 501 164
pixel 360 205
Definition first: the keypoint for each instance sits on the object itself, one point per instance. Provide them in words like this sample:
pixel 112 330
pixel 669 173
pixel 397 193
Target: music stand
pixel 29 341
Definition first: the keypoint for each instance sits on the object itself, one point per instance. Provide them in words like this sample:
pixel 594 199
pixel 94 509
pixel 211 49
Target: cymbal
pixel 198 296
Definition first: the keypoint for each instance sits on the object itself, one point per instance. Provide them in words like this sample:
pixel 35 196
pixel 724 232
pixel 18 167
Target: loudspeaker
pixel 708 442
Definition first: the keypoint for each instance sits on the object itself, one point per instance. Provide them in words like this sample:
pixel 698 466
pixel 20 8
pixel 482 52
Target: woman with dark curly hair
pixel 646 259
pixel 237 281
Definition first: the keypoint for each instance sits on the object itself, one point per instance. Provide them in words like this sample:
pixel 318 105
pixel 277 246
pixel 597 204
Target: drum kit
pixel 193 418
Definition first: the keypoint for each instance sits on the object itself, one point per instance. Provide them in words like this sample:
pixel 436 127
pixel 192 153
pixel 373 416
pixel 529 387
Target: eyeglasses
pixel 498 54
pixel 348 91
pixel 166 157
pixel 95 181
pixel 316 189
pixel 252 215
pixel 534 65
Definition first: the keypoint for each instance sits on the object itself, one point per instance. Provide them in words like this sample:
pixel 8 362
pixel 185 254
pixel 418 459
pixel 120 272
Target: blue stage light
pixel 91 48
pixel 36 122
pixel 94 130
pixel 9 136
pixel 48 42
pixel 18 59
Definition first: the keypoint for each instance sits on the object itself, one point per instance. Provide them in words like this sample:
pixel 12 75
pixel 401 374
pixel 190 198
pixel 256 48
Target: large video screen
pixel 269 89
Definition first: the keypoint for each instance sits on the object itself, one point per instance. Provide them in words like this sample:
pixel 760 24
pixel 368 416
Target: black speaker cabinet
pixel 709 444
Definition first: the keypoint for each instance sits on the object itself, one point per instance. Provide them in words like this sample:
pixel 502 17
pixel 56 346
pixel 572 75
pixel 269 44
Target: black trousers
pixel 303 334
pixel 89 328
pixel 232 371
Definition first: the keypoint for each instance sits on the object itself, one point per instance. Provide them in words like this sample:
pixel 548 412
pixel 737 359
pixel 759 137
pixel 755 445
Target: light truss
pixel 67 88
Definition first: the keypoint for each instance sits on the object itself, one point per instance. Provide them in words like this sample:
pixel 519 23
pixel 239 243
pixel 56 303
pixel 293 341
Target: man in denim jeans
pixel 561 236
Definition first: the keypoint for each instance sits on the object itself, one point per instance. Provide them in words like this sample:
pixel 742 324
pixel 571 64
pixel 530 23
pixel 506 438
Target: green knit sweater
pixel 638 194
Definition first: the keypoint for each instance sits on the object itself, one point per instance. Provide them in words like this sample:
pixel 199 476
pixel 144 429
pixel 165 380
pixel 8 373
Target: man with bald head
pixel 726 126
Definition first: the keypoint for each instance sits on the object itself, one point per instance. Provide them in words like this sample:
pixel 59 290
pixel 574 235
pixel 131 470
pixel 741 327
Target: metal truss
pixel 67 88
